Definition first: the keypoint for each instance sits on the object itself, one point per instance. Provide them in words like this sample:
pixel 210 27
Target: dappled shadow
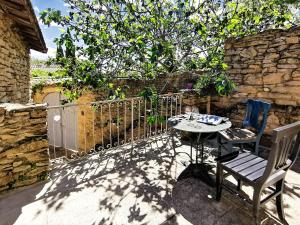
pixel 134 186
pixel 195 201
pixel 291 195
pixel 131 186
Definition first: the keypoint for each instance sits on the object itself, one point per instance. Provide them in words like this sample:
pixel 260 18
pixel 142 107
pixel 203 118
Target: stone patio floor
pixel 120 187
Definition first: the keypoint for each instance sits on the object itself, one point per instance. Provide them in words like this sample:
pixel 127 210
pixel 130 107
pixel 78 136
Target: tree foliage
pixel 103 39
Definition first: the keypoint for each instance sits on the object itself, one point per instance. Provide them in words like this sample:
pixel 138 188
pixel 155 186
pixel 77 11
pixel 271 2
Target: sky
pixel 51 32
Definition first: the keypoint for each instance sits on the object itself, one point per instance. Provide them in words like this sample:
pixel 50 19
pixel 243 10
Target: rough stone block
pixel 2 110
pixel 269 65
pixel 293 83
pixel 272 78
pixel 5 180
pixel 269 70
pixel 253 80
pixel 296 74
pixel 282 47
pixel 45 163
pixel 272 122
pixel 248 53
pixel 227 45
pixel 295 46
pixel 17 163
pixel 292 60
pixel 247 89
pixel 272 50
pixel 287 66
pixel 234 71
pixel 37 156
pixel 272 56
pixel 257 42
pixel 25 182
pixel 255 67
pixel 38 114
pixel 292 40
pixel 269 95
pixel 25 148
pixel 231 52
pixel 285 102
pixel 290 90
pixel 22 168
pixel 37 171
pixel 251 70
pixel 3 174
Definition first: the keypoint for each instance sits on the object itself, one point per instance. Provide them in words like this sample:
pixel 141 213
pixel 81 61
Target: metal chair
pixel 255 118
pixel 263 174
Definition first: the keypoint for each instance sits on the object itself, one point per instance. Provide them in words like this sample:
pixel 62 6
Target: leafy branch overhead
pixel 212 84
pixel 102 39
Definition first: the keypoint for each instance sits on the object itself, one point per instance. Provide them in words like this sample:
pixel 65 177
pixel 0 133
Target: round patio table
pixel 181 122
pixel 185 123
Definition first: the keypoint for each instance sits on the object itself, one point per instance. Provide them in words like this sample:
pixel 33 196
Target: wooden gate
pixel 62 122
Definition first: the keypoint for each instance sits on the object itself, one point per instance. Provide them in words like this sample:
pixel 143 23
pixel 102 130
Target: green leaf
pixel 102 40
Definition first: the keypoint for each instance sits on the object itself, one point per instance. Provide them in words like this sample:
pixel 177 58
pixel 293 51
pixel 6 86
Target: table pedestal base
pixel 201 171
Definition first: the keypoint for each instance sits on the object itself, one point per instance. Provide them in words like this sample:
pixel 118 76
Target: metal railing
pixel 78 130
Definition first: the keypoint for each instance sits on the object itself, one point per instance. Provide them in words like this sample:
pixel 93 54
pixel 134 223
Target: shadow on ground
pixel 118 186
pixel 124 186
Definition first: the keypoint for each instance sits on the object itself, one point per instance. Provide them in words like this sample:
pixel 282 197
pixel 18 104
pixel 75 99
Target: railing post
pixel 118 122
pixel 110 119
pixel 132 122
pixel 145 119
pixel 125 125
pixel 101 125
pixel 93 110
pixel 139 121
pixel 167 114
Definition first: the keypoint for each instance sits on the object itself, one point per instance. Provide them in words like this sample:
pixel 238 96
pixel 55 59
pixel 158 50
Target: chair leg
pixel 230 145
pixel 219 145
pixel 241 147
pixel 257 148
pixel 279 203
pixel 239 184
pixel 256 205
pixel 219 181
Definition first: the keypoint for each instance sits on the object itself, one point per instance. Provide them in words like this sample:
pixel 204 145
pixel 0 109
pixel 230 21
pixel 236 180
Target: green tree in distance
pixel 103 39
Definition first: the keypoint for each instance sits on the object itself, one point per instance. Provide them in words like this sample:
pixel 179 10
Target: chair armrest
pixel 227 157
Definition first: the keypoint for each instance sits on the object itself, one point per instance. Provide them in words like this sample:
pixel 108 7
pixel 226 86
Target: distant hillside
pixel 42 69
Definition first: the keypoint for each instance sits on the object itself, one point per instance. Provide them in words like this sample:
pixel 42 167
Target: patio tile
pixel 121 187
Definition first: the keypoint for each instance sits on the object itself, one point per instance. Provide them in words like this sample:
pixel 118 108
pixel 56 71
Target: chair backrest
pixel 285 148
pixel 256 115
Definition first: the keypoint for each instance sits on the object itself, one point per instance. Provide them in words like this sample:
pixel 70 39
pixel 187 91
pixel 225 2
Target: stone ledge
pixel 21 107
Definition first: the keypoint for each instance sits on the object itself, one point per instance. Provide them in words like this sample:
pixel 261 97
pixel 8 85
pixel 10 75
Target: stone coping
pixel 21 107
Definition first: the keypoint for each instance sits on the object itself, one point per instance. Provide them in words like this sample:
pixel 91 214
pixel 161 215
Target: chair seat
pixel 246 166
pixel 238 135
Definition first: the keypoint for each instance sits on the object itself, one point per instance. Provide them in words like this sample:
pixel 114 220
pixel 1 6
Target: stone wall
pixel 163 84
pixel 14 63
pixel 265 66
pixel 24 156
pixel 132 87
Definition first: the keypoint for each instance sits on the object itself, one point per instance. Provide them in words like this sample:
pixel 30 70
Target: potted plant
pixel 214 84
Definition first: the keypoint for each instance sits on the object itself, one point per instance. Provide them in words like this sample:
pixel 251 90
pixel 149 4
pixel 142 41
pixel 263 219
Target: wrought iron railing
pixel 77 130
